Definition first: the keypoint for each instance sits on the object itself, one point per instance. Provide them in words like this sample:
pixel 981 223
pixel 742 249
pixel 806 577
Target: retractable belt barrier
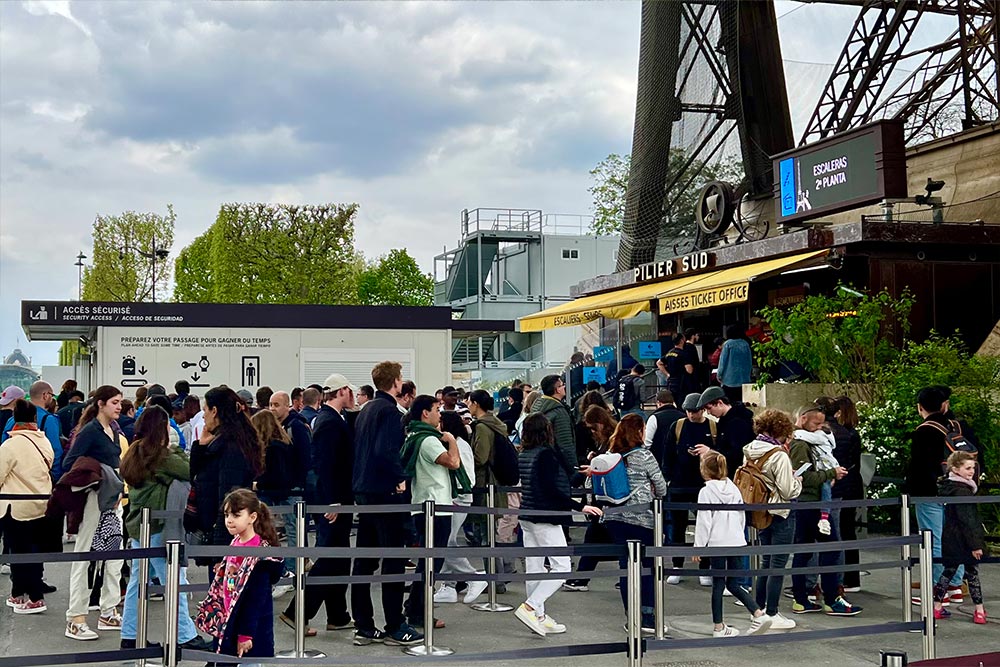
pixel 633 553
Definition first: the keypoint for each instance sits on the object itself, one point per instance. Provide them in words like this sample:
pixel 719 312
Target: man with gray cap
pixel 7 398
pixel 735 427
pixel 39 394
pixel 687 440
pixel 333 465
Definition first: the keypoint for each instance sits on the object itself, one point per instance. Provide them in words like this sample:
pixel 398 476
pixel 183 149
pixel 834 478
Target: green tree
pixel 837 338
pixel 610 178
pixel 610 185
pixel 394 279
pixel 272 253
pixel 125 249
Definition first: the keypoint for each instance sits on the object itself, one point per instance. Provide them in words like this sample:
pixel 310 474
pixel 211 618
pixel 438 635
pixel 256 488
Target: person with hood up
pixel 551 405
pixel 724 528
pixel 774 428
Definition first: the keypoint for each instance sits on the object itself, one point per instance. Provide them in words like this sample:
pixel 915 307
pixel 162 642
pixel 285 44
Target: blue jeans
pixel 635 411
pixel 930 517
pixel 158 568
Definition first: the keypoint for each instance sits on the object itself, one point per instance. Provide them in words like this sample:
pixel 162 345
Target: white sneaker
pixel 446 594
pixel 474 590
pixel 852 589
pixel 705 581
pixel 759 624
pixel 551 627
pixel 528 617
pixel 779 622
pixel 824 526
pixel 726 631
pixel 674 579
pixel 80 631
pixel 5 569
pixel 726 593
pixel 111 620
pixel 286 584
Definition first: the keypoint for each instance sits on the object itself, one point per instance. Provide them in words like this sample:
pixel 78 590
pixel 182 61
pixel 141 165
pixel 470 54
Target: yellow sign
pixel 706 298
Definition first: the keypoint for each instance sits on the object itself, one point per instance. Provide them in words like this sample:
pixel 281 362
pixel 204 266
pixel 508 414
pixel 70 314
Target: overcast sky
pixel 413 110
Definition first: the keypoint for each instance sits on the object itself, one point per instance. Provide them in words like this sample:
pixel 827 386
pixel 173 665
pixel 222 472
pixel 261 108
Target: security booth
pixel 251 345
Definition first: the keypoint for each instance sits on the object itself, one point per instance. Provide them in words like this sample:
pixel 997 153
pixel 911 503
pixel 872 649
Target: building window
pixel 570 253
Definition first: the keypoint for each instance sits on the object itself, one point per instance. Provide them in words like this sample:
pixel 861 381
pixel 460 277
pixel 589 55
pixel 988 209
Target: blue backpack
pixel 610 478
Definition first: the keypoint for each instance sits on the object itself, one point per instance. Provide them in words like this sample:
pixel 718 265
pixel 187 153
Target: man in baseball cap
pixel 335 382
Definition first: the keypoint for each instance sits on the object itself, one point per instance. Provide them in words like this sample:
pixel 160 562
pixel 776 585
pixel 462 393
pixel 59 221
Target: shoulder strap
pixel 713 430
pixel 763 459
pixel 955 426
pixel 678 428
pixel 935 426
pixel 41 424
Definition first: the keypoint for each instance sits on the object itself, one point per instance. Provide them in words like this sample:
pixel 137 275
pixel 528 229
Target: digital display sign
pixel 846 171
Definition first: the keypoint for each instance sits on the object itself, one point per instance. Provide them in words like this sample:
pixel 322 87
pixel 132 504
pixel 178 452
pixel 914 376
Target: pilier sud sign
pixel 845 171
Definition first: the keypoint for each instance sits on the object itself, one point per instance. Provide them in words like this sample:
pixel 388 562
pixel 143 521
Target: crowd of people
pixel 90 464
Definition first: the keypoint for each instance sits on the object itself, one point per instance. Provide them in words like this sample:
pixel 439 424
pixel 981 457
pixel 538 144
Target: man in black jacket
pixel 660 422
pixel 280 403
pixel 735 427
pixel 333 463
pixel 927 448
pixel 379 479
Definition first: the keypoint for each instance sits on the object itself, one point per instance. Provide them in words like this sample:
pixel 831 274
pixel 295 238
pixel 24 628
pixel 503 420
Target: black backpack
pixel 954 441
pixel 626 396
pixel 503 461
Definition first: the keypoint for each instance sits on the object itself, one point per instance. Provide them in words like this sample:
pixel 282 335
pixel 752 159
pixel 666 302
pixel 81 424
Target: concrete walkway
pixel 592 617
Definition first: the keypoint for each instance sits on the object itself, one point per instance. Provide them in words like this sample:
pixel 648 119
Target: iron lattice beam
pixel 876 44
pixel 966 65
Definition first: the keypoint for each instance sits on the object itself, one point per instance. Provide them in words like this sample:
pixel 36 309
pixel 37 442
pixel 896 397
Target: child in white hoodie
pixel 724 528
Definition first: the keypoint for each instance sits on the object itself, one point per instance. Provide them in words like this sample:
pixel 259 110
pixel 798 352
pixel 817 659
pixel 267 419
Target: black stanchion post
pixel 300 591
pixel 634 610
pixel 906 578
pixel 658 566
pixel 142 609
pixel 754 557
pixel 926 595
pixel 491 563
pixel 171 598
pixel 428 648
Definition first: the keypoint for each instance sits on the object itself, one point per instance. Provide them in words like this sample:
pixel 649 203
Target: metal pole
pixel 428 647
pixel 634 610
pixel 142 610
pixel 658 610
pixel 906 579
pixel 300 591
pixel 754 557
pixel 926 596
pixel 491 563
pixel 171 598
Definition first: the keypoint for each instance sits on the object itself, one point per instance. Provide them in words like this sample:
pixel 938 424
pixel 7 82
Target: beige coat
pixel 25 461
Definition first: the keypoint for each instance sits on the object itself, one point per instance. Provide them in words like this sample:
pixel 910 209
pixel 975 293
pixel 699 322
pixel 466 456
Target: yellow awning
pixel 620 304
pixel 727 286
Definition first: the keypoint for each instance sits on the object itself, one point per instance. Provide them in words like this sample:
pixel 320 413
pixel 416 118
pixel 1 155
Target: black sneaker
pixel 48 588
pixel 404 636
pixel 197 644
pixel 128 644
pixel 366 637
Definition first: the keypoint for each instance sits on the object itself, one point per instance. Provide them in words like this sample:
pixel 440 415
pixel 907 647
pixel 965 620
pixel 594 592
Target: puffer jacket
pixel 544 486
pixel 963 530
pixel 645 481
pixel 562 426
pixel 778 473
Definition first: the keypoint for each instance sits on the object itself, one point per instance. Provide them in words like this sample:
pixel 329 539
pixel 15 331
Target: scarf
pixel 952 477
pixel 417 432
pixel 25 426
pixel 764 437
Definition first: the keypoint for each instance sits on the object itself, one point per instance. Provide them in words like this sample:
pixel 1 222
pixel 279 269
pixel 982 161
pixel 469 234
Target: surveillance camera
pixel 933 186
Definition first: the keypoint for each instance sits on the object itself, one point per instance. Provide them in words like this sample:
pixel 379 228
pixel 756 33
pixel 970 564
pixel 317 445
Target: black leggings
pixel 971 578
pixel 732 583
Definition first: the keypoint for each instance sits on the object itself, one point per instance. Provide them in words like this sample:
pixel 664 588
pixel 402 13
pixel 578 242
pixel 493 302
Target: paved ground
pixel 592 617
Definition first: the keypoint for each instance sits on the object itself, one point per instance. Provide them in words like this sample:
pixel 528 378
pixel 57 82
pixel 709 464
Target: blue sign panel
pixel 788 194
pixel 604 353
pixel 598 373
pixel 650 349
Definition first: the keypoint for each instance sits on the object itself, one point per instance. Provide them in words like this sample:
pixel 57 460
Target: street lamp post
pixel 79 280
pixel 157 254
